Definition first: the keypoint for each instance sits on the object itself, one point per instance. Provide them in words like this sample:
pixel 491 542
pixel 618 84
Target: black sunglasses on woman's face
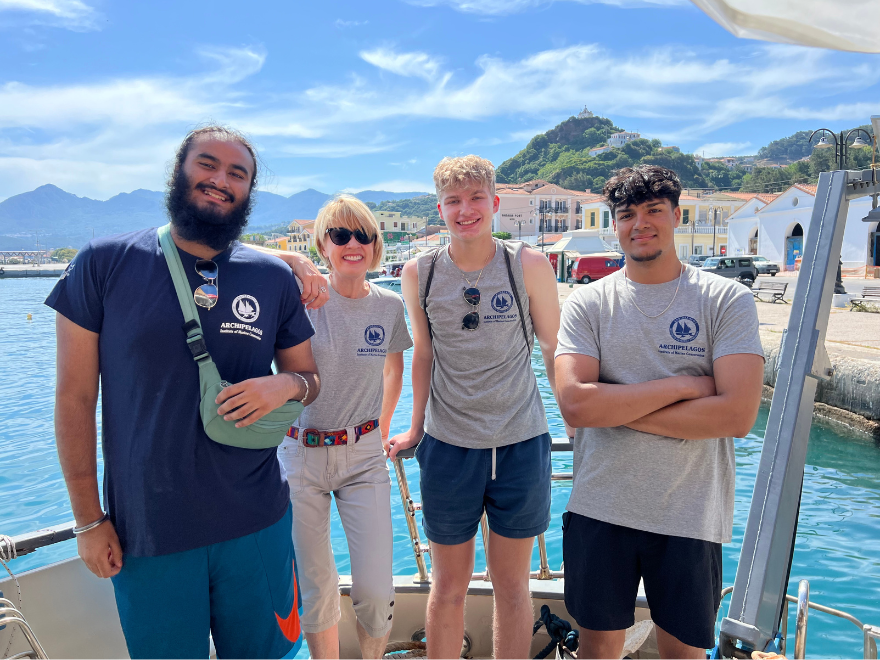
pixel 342 235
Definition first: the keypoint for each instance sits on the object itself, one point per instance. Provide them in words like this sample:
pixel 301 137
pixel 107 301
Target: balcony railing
pixel 720 230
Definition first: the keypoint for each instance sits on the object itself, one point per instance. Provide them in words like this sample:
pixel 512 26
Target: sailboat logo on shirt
pixel 502 302
pixel 684 329
pixel 246 308
pixel 374 335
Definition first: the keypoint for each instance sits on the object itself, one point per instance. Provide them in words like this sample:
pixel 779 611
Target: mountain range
pixel 56 218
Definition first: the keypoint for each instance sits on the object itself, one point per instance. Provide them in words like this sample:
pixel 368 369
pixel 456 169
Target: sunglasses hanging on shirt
pixel 206 295
pixel 471 320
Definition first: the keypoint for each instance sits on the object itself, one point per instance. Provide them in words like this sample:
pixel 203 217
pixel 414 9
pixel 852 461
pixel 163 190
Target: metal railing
pixel 870 633
pixel 10 615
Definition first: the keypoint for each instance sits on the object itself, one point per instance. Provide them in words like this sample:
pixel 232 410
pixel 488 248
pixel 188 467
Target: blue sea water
pixel 837 546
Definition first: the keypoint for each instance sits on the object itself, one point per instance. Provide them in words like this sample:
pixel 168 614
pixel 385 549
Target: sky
pixel 96 95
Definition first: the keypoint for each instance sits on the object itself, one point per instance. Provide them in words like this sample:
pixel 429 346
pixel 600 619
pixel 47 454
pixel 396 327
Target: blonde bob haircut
pixel 351 213
pixel 462 172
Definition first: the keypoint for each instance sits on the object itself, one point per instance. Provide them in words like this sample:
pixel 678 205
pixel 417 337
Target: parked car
pixel 739 268
pixel 765 266
pixel 595 266
pixel 697 259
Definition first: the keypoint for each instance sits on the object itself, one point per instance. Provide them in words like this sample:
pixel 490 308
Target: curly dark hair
pixel 636 185
pixel 223 132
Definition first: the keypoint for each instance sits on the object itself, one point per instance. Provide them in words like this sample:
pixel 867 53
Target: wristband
pixel 85 528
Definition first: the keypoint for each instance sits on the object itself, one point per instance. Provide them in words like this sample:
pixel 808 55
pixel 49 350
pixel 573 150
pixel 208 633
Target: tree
pixel 313 253
pixel 64 254
pixel 503 235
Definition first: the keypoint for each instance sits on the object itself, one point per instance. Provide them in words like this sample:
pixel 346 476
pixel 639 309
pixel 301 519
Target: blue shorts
pixel 242 591
pixel 457 485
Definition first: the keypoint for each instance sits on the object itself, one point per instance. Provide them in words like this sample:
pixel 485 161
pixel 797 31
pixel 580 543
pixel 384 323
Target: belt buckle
pixel 312 437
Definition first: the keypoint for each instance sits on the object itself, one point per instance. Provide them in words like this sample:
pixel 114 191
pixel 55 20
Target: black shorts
pixel 603 564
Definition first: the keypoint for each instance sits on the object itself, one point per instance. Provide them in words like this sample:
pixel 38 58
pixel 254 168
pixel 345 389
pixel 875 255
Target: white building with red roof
pixel 529 209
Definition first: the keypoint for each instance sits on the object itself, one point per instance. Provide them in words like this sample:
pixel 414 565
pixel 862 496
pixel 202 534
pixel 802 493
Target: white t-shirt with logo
pixel 640 480
pixel 352 338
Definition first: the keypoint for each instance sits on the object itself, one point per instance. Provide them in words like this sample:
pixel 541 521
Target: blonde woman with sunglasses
pixel 337 447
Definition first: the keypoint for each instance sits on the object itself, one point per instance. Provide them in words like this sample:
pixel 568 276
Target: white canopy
pixel 582 241
pixel 852 25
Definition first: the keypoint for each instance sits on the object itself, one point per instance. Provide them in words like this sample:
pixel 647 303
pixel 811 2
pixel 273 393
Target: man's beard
pixel 647 257
pixel 208 226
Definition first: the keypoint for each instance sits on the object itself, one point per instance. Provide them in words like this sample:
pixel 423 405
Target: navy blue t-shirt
pixel 167 486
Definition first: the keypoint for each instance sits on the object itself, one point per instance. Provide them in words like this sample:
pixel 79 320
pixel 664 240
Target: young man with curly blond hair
pixel 476 307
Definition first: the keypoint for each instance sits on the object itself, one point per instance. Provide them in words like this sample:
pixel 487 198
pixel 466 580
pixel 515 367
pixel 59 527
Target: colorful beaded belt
pixel 316 438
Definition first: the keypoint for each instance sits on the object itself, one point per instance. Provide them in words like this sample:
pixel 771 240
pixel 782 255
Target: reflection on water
pixel 837 536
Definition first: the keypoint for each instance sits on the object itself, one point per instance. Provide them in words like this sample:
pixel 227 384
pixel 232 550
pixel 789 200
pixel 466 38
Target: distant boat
pixel 392 283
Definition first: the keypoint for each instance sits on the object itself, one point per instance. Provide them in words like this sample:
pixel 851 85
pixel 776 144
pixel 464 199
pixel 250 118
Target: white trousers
pixel 357 476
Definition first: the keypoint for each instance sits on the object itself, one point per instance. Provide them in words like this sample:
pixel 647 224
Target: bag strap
pixel 428 290
pixel 194 337
pixel 515 290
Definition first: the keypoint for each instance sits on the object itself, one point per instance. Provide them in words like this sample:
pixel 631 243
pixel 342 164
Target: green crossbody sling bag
pixel 266 432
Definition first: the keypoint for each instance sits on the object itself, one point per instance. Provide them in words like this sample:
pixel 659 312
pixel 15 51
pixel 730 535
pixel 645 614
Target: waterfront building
pixel 396 227
pixel 529 209
pixel 778 229
pixel 302 235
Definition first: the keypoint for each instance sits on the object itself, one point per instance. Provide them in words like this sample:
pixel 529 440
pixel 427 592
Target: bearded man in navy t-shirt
pixel 196 535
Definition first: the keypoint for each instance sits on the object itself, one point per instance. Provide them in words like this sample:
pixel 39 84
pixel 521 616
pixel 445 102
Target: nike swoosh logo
pixel 290 625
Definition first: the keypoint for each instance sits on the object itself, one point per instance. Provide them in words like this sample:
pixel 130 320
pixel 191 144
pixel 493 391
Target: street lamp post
pixel 841 143
pixel 841 147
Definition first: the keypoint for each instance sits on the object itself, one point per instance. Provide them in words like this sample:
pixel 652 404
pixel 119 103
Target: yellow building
pixel 302 235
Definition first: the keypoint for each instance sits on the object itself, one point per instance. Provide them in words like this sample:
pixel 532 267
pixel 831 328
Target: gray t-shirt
pixel 352 338
pixel 641 480
pixel 484 393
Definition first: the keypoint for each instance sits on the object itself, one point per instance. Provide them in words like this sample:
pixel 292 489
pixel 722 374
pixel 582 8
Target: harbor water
pixel 837 546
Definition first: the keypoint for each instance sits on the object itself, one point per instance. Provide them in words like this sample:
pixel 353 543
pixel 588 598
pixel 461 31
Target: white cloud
pixel 697 93
pixel 718 149
pixel 504 7
pixel 71 14
pixel 354 147
pixel 396 186
pixel 341 24
pixel 416 64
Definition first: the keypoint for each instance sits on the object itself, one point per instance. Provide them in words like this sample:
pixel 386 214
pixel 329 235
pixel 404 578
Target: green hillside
pixel 561 156
pixel 424 206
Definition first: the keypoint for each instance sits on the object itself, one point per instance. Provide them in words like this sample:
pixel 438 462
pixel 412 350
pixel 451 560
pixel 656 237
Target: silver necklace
pixel 632 296
pixel 494 252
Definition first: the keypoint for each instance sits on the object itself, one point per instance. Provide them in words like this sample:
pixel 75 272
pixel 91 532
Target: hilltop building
pixel 595 151
pixel 585 114
pixel 619 139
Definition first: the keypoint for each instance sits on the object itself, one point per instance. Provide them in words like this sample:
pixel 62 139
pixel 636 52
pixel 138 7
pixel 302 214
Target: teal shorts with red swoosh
pixel 243 591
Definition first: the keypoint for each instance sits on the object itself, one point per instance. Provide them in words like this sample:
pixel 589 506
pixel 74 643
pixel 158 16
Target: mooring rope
pixel 7 554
